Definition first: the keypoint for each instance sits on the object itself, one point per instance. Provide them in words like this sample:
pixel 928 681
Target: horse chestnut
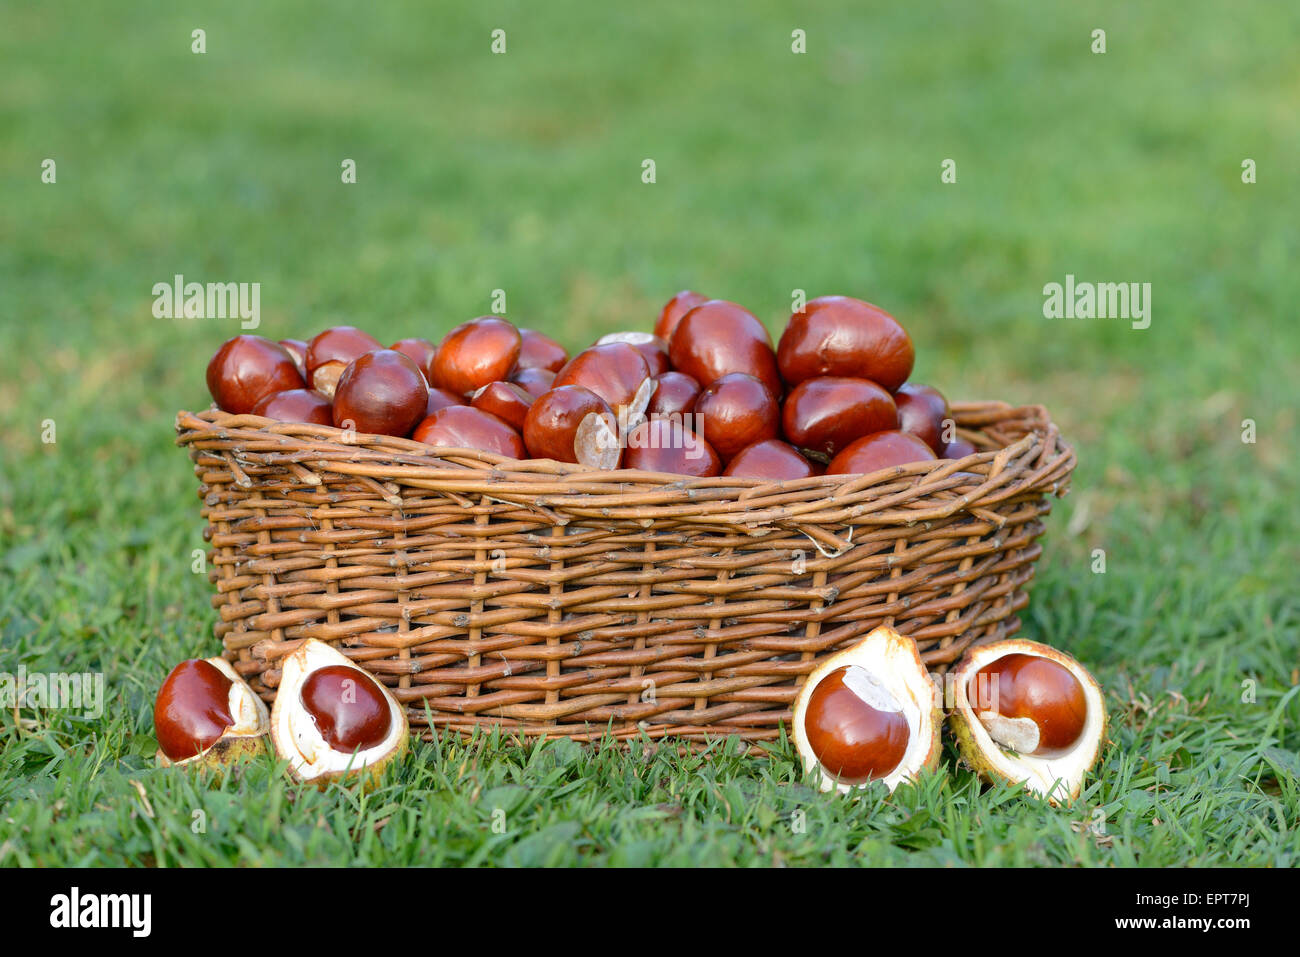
pixel 735 411
pixel 573 424
pixel 839 336
pixel 770 459
pixel 381 392
pixel 464 427
pixel 505 400
pixel 296 405
pixel 539 351
pixel 719 337
pixel 246 369
pixel 475 353
pixel 673 310
pixel 881 450
pixel 665 445
pixel 826 413
pixel 921 412
pixel 329 353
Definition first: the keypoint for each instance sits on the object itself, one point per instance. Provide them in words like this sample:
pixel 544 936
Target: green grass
pixel 774 172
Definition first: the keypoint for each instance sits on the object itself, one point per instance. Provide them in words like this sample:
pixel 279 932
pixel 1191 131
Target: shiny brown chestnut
pixel 853 741
pixel 840 336
pixel 506 400
pixel 419 351
pixel 770 459
pixel 880 450
pixel 573 424
pixel 921 412
pixel 539 351
pixel 298 349
pixel 675 394
pixel 826 413
pixel 475 353
pixel 440 399
pixel 350 711
pixel 381 392
pixel 617 372
pixel 192 710
pixel 464 427
pixel 329 353
pixel 246 369
pixel 296 405
pixel 719 337
pixel 1028 686
pixel 534 381
pixel 673 310
pixel 958 449
pixel 665 445
pixel 735 411
pixel 653 349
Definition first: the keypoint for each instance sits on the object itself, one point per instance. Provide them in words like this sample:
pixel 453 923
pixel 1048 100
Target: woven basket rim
pixel 562 492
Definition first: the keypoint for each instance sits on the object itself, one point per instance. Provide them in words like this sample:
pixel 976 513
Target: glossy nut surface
pixel 572 424
pixel 419 351
pixel 879 451
pixel 959 449
pixel 350 711
pixel 506 400
pixel 475 353
pixel 296 405
pixel 1028 686
pixel 246 369
pixel 770 459
pixel 440 399
pixel 664 445
pixel 827 413
pixel 853 741
pixel 297 348
pixel 735 411
pixel 719 337
pixel 539 351
pixel 921 412
pixel 653 349
pixel 534 381
pixel 840 336
pixel 464 427
pixel 673 310
pixel 381 392
pixel 192 710
pixel 617 372
pixel 330 352
pixel 675 394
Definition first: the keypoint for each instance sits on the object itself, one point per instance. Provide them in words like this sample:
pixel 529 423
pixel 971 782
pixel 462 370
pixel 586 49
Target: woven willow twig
pixel 553 601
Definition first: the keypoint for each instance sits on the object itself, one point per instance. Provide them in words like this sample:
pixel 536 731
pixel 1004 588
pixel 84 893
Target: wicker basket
pixel 553 601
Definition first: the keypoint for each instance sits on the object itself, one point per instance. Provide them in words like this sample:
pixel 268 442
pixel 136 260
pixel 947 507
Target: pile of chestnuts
pixel 705 394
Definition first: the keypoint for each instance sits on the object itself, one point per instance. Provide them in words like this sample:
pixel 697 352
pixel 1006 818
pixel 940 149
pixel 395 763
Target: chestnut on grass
pixel 330 352
pixel 419 351
pixel 505 400
pixel 617 372
pixel 675 394
pixel 464 427
pixel 868 713
pixel 205 714
pixel 664 445
pixel 573 424
pixel 840 336
pixel 381 392
pixel 333 720
pixel 1024 712
pixel 653 349
pixel 881 450
pixel 246 369
pixel 534 381
pixel 539 351
pixel 921 412
pixel 826 413
pixel 735 411
pixel 475 353
pixel 296 405
pixel 673 310
pixel 718 337
pixel 770 459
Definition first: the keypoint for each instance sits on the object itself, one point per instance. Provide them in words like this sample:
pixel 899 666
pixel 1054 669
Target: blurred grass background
pixel 775 172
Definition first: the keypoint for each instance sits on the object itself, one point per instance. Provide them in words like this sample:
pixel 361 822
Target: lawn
pixel 774 171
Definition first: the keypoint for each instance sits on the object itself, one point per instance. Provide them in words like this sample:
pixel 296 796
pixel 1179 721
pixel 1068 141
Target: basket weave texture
pixel 553 600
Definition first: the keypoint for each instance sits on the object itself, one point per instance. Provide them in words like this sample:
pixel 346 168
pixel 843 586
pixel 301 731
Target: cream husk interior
pixel 892 660
pixel 1060 776
pixel 294 731
pixel 251 719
